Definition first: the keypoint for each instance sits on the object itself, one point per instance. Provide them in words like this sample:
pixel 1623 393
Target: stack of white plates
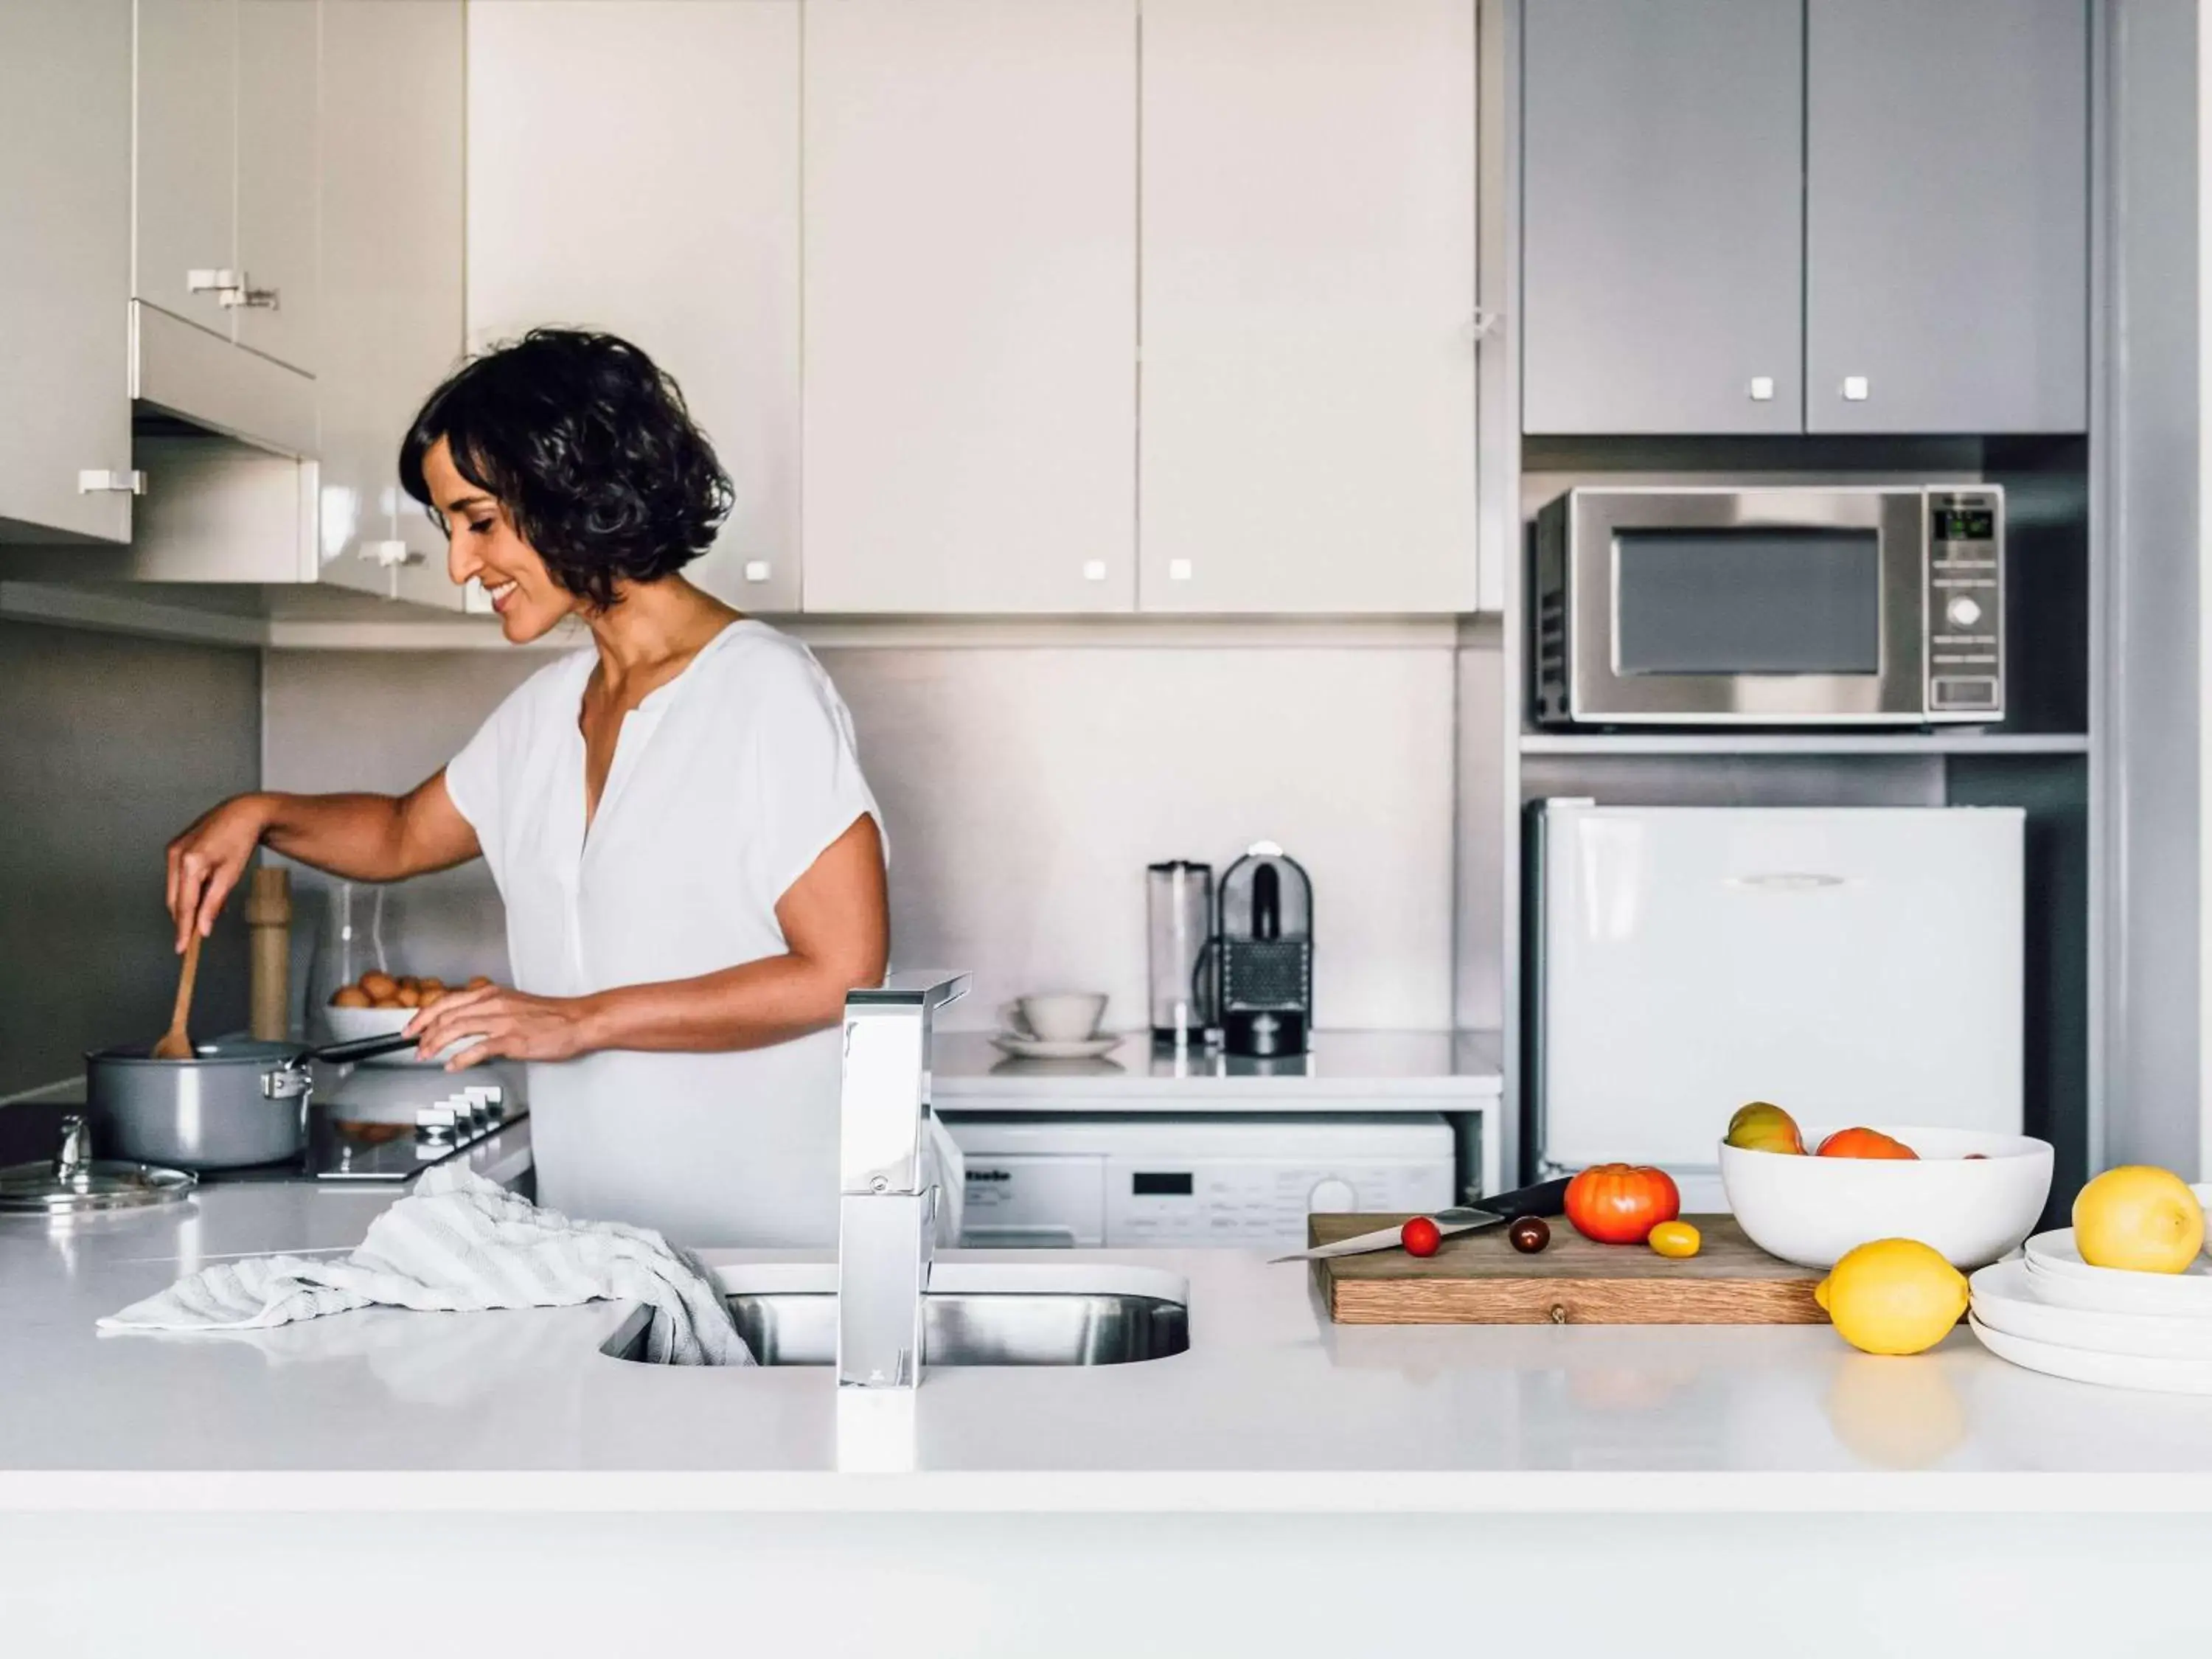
pixel 2051 1311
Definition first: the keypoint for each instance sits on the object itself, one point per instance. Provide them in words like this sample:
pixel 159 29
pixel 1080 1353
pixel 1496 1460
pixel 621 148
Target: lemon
pixel 2138 1218
pixel 1893 1296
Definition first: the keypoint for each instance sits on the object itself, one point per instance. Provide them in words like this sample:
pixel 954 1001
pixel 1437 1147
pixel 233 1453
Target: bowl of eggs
pixel 378 1003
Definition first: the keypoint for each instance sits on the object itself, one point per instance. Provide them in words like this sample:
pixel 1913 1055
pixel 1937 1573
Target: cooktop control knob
pixel 1332 1196
pixel 1963 612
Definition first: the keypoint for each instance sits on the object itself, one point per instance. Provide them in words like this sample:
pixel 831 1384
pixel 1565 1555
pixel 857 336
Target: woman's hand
pixel 513 1024
pixel 206 861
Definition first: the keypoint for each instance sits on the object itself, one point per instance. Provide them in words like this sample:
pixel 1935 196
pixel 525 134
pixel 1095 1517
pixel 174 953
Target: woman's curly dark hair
pixel 588 447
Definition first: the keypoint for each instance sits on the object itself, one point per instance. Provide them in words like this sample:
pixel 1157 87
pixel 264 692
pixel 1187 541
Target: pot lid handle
pixel 75 1150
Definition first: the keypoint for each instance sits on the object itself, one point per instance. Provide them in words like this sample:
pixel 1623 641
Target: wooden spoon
pixel 175 1043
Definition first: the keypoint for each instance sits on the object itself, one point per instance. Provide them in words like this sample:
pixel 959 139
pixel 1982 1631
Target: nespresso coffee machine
pixel 1263 939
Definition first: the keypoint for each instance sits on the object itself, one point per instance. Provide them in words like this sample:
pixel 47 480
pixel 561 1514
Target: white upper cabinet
pixel 279 59
pixel 187 150
pixel 64 284
pixel 635 167
pixel 1308 313
pixel 391 324
pixel 971 305
pixel 223 264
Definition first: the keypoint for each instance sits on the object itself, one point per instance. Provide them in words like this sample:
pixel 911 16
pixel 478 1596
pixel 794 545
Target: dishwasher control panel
pixel 1243 1182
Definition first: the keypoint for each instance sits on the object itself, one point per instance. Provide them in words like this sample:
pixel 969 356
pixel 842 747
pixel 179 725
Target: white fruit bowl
pixel 1812 1210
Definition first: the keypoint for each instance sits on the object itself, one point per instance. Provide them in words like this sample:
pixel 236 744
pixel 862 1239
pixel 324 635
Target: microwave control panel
pixel 1965 602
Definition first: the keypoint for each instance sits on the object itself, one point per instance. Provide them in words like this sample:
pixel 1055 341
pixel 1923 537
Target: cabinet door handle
pixel 1762 388
pixel 388 553
pixel 757 570
pixel 91 481
pixel 246 297
pixel 1855 388
pixel 233 290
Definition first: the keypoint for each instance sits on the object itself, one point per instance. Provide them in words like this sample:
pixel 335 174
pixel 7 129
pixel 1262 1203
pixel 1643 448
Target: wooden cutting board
pixel 1479 1278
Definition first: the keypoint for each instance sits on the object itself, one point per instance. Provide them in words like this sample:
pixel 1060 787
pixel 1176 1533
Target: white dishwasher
pixel 1236 1179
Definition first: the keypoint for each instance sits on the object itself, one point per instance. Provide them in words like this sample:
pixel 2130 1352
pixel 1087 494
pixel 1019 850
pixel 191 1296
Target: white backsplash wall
pixel 1026 788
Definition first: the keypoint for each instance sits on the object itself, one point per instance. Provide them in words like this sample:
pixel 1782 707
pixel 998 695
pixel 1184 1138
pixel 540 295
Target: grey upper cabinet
pixel 1946 233
pixel 1661 215
pixel 65 199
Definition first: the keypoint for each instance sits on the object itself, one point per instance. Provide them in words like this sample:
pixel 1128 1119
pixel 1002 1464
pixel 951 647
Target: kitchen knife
pixel 1546 1197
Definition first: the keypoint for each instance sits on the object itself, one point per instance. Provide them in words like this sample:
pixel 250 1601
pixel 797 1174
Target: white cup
pixel 1058 1016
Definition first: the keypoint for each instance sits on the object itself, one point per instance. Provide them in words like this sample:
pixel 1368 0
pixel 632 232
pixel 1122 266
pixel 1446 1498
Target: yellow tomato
pixel 1675 1239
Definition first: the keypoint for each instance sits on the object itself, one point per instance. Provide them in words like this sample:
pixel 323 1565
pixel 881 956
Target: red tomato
pixel 1621 1203
pixel 1420 1237
pixel 1864 1143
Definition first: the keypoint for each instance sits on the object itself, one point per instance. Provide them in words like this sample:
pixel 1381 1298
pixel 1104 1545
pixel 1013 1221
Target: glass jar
pixel 349 944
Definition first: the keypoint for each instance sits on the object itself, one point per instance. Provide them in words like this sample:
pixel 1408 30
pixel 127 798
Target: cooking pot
pixel 233 1104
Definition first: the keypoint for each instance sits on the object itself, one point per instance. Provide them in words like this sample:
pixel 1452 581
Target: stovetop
pixel 389 1123
pixel 344 1149
pixel 366 1124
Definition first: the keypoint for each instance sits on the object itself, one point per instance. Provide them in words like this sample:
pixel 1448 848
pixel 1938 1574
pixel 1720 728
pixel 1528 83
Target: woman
pixel 690 861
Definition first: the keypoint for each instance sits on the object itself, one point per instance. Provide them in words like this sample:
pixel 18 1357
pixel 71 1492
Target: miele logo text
pixel 975 1175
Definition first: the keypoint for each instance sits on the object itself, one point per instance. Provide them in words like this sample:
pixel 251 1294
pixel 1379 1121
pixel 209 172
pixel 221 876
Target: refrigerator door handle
pixel 1787 881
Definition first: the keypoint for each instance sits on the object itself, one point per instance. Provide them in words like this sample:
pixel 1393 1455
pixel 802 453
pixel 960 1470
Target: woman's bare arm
pixel 835 921
pixel 362 837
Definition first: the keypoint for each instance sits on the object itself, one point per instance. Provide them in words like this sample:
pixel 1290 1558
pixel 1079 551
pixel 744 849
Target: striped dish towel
pixel 459 1243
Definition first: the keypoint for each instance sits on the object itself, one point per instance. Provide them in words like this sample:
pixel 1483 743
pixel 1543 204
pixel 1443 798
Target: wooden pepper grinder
pixel 269 920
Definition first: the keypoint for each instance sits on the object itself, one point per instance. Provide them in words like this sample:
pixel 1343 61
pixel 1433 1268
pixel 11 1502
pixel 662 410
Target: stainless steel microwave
pixel 1792 605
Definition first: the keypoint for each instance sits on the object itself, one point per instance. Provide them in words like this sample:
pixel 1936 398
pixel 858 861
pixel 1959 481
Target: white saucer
pixel 1029 1047
pixel 2056 1262
pixel 2112 1370
pixel 2011 1300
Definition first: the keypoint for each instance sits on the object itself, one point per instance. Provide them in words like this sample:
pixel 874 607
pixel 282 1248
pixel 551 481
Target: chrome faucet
pixel 886 1205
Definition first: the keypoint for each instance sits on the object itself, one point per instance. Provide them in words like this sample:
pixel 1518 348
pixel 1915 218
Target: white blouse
pixel 727 784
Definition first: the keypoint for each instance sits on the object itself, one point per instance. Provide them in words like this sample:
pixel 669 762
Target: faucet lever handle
pixel 927 988
pixel 884 1096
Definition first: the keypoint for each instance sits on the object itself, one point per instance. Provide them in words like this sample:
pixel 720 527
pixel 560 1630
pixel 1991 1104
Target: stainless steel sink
pixel 974 1314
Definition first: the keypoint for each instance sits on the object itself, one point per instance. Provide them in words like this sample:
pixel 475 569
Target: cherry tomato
pixel 1529 1234
pixel 1677 1241
pixel 1621 1203
pixel 1420 1237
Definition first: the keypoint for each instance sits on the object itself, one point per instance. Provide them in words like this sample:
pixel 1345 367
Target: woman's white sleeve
pixel 472 781
pixel 808 787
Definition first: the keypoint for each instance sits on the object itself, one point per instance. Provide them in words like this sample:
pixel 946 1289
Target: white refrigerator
pixel 1850 964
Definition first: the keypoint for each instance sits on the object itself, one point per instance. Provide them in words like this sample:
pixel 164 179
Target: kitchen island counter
pixel 1286 1486
pixel 1273 1408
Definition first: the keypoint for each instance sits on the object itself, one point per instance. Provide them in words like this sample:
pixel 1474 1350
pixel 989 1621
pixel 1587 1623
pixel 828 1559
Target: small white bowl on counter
pixel 1811 1210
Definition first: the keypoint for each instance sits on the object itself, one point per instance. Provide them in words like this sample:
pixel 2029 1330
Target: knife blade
pixel 1546 1197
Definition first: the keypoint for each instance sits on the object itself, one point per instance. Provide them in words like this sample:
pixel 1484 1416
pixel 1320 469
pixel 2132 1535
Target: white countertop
pixel 1344 1071
pixel 1273 1408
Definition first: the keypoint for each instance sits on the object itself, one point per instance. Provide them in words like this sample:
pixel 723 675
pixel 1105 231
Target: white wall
pixel 1026 789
